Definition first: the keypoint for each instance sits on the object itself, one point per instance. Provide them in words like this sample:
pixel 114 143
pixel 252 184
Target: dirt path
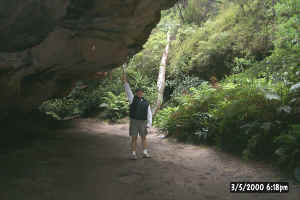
pixel 90 162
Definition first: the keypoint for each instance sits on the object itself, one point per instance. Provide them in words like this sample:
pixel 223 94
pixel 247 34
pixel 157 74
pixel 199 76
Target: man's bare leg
pixel 145 151
pixel 133 143
pixel 144 142
pixel 133 147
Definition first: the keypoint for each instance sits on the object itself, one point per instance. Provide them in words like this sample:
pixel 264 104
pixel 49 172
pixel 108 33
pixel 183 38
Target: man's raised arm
pixel 149 117
pixel 127 88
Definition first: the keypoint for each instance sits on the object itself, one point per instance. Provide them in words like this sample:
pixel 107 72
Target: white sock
pixel 133 153
pixel 145 151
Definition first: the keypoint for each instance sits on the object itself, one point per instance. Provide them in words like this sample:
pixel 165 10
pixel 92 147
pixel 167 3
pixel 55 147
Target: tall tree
pixel 161 80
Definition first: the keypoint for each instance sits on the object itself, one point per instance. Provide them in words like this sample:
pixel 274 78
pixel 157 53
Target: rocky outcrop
pixel 47 45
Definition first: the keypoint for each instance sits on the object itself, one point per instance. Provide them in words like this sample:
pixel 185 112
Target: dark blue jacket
pixel 139 108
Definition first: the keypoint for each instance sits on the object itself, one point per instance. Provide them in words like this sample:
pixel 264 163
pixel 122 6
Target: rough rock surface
pixel 47 45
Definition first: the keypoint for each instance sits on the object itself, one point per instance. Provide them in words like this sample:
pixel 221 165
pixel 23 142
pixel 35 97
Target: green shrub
pixel 242 116
pixel 89 102
pixel 162 118
pixel 60 108
pixel 245 111
pixel 181 85
pixel 288 152
pixel 116 107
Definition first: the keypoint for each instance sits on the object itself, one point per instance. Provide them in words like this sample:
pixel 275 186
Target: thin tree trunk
pixel 180 12
pixel 161 80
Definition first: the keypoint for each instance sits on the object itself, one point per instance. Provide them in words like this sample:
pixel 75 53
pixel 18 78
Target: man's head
pixel 139 92
pixel 213 79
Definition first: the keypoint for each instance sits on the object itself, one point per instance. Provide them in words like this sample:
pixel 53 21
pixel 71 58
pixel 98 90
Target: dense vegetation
pixel 233 78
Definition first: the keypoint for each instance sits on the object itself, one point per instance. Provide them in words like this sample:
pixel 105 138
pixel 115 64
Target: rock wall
pixel 47 45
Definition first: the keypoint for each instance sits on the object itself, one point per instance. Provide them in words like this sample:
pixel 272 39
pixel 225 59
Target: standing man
pixel 140 118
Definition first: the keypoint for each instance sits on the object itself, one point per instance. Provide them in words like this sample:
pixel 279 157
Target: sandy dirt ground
pixel 90 161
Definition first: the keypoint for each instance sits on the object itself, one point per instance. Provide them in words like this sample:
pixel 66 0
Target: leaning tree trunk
pixel 161 80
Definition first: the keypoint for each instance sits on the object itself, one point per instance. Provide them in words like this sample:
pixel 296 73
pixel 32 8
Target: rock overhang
pixel 47 45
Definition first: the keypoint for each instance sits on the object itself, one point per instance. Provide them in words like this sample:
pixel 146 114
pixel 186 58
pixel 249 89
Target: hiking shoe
pixel 146 155
pixel 133 157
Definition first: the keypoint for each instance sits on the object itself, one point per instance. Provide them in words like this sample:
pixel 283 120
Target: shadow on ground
pixel 88 160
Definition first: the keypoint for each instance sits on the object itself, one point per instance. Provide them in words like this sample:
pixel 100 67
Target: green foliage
pixel 116 107
pixel 211 49
pixel 60 108
pixel 162 118
pixel 283 64
pixel 84 99
pixel 288 152
pixel 139 79
pixel 181 85
pixel 242 116
pixel 103 96
pixel 89 101
pixel 241 64
pixel 258 43
pixel 198 11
